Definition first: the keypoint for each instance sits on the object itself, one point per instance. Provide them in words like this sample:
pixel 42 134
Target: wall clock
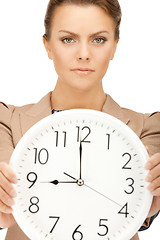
pixel 80 176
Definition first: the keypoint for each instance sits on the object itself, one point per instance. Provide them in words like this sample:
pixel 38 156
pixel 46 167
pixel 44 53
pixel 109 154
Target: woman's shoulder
pixel 6 111
pixel 149 121
pixel 152 124
pixel 146 117
pixel 6 107
pixel 134 115
pixel 140 123
pixel 147 125
pixel 11 116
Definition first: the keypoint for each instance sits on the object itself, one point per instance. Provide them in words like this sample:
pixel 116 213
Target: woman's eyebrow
pixel 76 35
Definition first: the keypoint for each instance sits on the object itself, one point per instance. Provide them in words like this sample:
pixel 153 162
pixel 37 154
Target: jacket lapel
pixel 112 108
pixel 35 113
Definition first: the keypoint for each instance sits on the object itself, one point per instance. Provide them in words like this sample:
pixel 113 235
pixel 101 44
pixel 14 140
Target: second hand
pixel 95 190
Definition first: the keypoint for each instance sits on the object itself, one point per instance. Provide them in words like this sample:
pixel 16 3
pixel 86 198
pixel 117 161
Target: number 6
pixel 77 232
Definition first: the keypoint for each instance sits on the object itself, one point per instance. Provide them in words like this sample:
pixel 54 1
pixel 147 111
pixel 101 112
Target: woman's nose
pixel 83 51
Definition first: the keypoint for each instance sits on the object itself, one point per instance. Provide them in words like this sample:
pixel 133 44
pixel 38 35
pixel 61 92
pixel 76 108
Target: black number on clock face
pixel 85 130
pixel 77 235
pixel 57 138
pixel 57 219
pixel 124 210
pixel 128 157
pixel 104 226
pixel 108 140
pixel 41 156
pixel 34 208
pixel 32 177
pixel 130 185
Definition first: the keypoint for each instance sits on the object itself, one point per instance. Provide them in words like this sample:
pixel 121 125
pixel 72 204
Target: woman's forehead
pixel 81 17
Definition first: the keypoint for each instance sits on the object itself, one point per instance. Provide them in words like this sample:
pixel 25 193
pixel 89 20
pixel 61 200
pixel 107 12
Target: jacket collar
pixel 35 113
pixel 43 109
pixel 112 108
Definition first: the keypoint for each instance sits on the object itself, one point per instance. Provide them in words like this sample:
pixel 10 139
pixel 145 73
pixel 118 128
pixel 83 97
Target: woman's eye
pixel 100 40
pixel 66 40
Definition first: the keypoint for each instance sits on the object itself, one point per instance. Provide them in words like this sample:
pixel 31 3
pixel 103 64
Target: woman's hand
pixel 7 193
pixel 153 177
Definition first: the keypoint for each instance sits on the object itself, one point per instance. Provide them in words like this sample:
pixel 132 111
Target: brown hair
pixel 112 8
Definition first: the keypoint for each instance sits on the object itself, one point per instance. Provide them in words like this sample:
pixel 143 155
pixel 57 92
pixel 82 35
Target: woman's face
pixel 75 43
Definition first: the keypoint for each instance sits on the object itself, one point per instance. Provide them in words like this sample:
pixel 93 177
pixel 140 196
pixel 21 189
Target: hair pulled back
pixel 111 7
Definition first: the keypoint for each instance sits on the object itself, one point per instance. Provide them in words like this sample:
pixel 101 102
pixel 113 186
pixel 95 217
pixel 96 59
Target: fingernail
pixel 9 210
pixel 154 193
pixel 14 180
pixel 149 177
pixel 148 166
pixel 151 187
pixel 13 193
pixel 10 202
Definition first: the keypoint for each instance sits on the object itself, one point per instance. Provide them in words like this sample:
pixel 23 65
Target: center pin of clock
pixel 80 182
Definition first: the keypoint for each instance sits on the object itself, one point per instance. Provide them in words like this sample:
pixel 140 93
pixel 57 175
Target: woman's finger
pixel 7 186
pixel 5 209
pixel 153 161
pixel 8 172
pixel 5 198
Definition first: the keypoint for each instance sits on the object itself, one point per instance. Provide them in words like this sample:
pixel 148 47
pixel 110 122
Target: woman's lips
pixel 82 72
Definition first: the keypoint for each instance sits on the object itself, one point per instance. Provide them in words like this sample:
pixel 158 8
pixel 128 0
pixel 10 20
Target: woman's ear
pixel 47 47
pixel 114 49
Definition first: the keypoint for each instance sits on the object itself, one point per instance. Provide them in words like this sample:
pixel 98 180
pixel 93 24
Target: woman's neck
pixel 63 98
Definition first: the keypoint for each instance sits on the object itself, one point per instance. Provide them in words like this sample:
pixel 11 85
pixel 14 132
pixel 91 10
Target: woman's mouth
pixel 83 71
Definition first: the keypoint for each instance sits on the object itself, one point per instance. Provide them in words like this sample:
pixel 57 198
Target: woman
pixel 81 54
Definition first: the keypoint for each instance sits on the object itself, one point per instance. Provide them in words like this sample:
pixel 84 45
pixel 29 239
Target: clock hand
pixel 103 195
pixel 82 183
pixel 80 154
pixel 56 182
pixel 70 176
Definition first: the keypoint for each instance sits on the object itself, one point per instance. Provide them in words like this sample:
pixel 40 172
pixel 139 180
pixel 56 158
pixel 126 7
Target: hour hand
pixel 56 182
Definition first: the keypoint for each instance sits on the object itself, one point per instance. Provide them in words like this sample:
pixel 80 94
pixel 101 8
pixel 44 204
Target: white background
pixel 26 74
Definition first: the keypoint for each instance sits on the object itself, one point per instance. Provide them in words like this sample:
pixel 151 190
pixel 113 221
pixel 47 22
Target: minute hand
pixel 80 156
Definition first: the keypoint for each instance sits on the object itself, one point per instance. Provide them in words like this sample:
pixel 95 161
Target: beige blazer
pixel 15 121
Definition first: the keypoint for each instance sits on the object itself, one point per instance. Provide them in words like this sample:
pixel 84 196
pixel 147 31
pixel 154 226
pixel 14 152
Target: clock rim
pixel 47 120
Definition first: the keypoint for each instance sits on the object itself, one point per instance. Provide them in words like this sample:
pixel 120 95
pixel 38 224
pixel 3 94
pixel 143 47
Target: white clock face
pixel 80 176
